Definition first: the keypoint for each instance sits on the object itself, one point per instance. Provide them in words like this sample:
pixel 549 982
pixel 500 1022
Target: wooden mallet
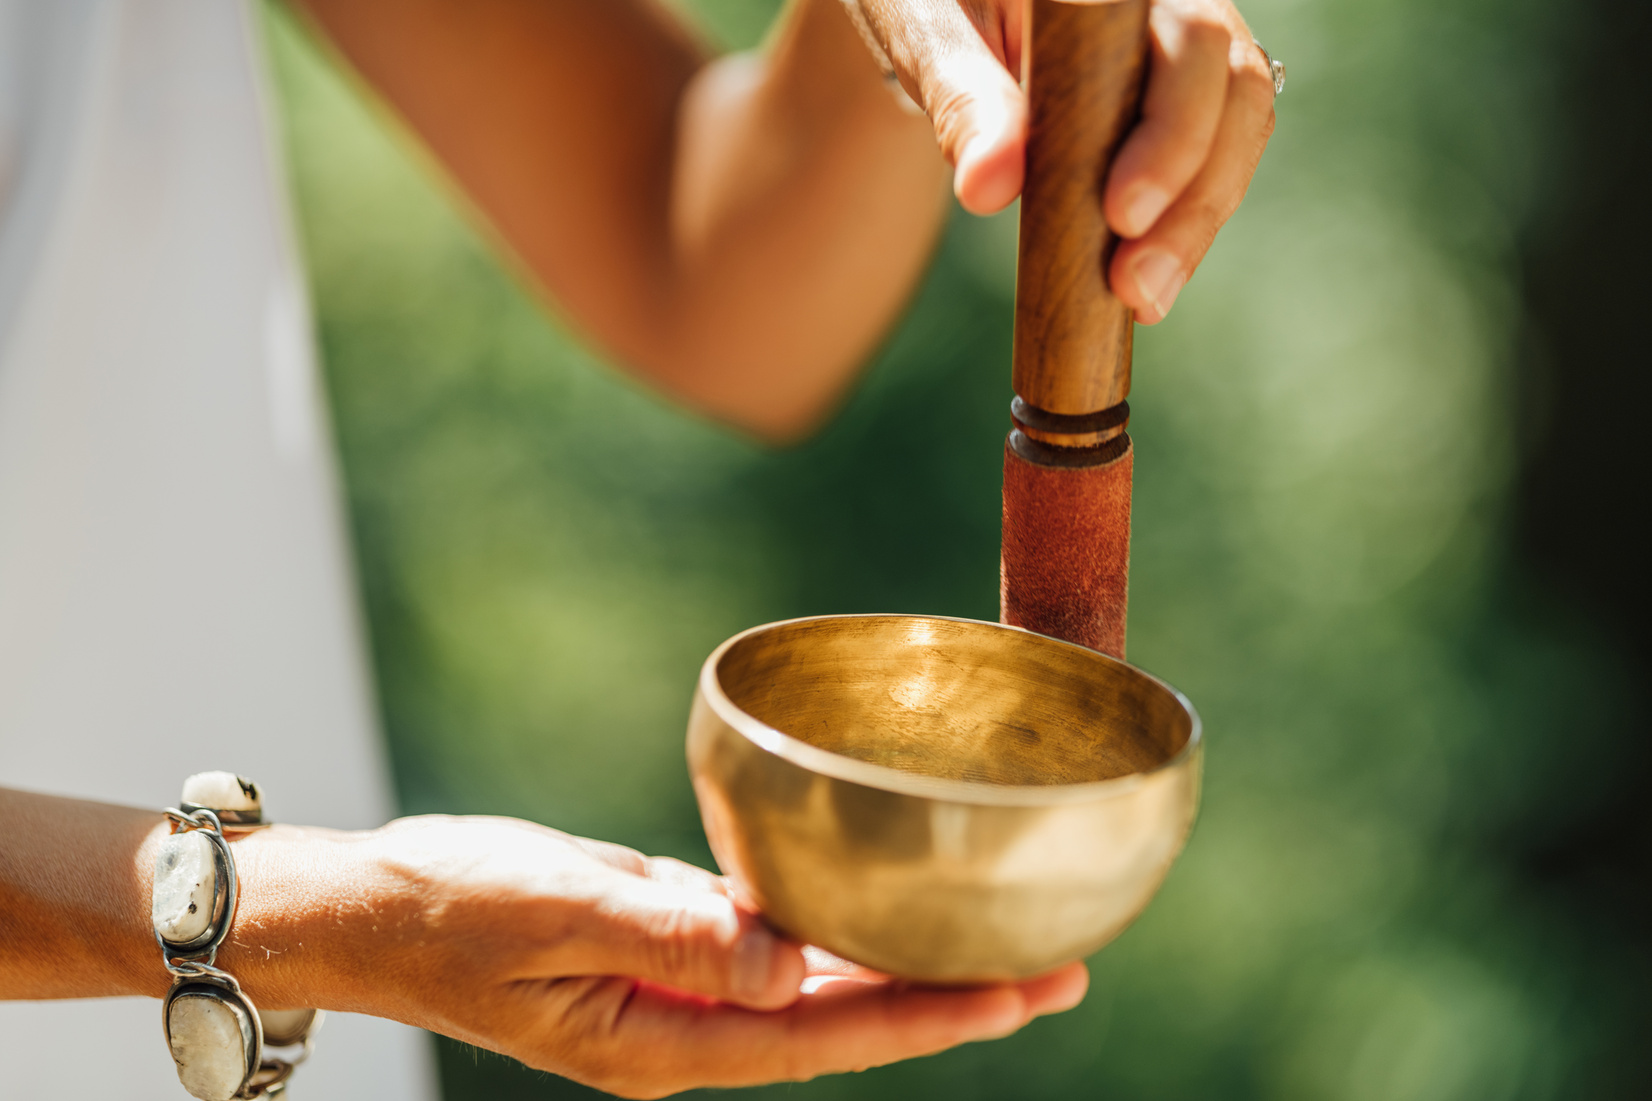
pixel 1068 460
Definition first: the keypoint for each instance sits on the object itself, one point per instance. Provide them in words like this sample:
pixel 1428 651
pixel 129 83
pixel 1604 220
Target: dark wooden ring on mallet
pixel 1070 430
pixel 1071 458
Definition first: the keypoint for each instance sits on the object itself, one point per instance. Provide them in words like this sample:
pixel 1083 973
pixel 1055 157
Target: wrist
pixel 302 896
pixel 226 1046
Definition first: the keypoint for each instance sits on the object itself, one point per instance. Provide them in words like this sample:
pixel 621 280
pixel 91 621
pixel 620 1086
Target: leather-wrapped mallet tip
pixel 1066 552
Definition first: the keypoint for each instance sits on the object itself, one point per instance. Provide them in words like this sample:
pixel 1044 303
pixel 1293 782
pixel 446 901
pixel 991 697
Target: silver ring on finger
pixel 1276 69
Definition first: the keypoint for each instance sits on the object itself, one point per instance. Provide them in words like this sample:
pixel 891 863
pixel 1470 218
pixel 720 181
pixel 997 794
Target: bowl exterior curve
pixel 927 888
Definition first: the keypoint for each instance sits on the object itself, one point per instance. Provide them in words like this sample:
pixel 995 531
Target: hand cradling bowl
pixel 940 799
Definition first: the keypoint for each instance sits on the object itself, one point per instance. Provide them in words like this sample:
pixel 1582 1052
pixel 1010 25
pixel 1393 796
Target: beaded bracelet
pixel 220 1042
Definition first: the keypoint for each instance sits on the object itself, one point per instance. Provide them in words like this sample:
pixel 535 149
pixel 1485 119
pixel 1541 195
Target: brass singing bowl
pixel 941 799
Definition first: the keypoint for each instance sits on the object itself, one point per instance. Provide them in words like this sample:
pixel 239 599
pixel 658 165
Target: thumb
pixel 955 68
pixel 692 939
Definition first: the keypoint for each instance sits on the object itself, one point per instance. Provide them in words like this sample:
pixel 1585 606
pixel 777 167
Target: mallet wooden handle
pixel 1068 463
pixel 1086 64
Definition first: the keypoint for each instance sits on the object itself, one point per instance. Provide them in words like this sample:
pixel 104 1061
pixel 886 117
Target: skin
pixel 740 232
pixel 639 976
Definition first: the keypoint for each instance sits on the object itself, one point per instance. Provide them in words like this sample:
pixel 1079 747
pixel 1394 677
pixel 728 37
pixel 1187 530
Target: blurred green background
pixel 1331 434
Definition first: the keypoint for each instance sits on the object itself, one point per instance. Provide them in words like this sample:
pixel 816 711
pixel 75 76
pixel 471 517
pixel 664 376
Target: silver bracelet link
pixel 225 1050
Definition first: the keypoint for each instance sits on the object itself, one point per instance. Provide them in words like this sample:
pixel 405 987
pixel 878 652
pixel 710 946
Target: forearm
pixel 740 232
pixel 75 880
pixel 74 898
pixel 806 203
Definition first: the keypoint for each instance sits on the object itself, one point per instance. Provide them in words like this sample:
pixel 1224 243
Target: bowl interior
pixel 955 699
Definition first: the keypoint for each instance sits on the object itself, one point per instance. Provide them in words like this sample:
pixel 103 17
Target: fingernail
pixel 1144 209
pixel 753 963
pixel 1159 278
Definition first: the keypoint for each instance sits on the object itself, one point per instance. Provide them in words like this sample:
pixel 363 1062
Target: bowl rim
pixel 865 773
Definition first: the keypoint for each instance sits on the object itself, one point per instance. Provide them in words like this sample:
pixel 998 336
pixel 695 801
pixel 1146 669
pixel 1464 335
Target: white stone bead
pixel 287 1026
pixel 209 1039
pixel 186 885
pixel 222 791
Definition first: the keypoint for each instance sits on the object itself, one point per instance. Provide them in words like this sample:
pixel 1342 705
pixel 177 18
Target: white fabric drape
pixel 174 583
